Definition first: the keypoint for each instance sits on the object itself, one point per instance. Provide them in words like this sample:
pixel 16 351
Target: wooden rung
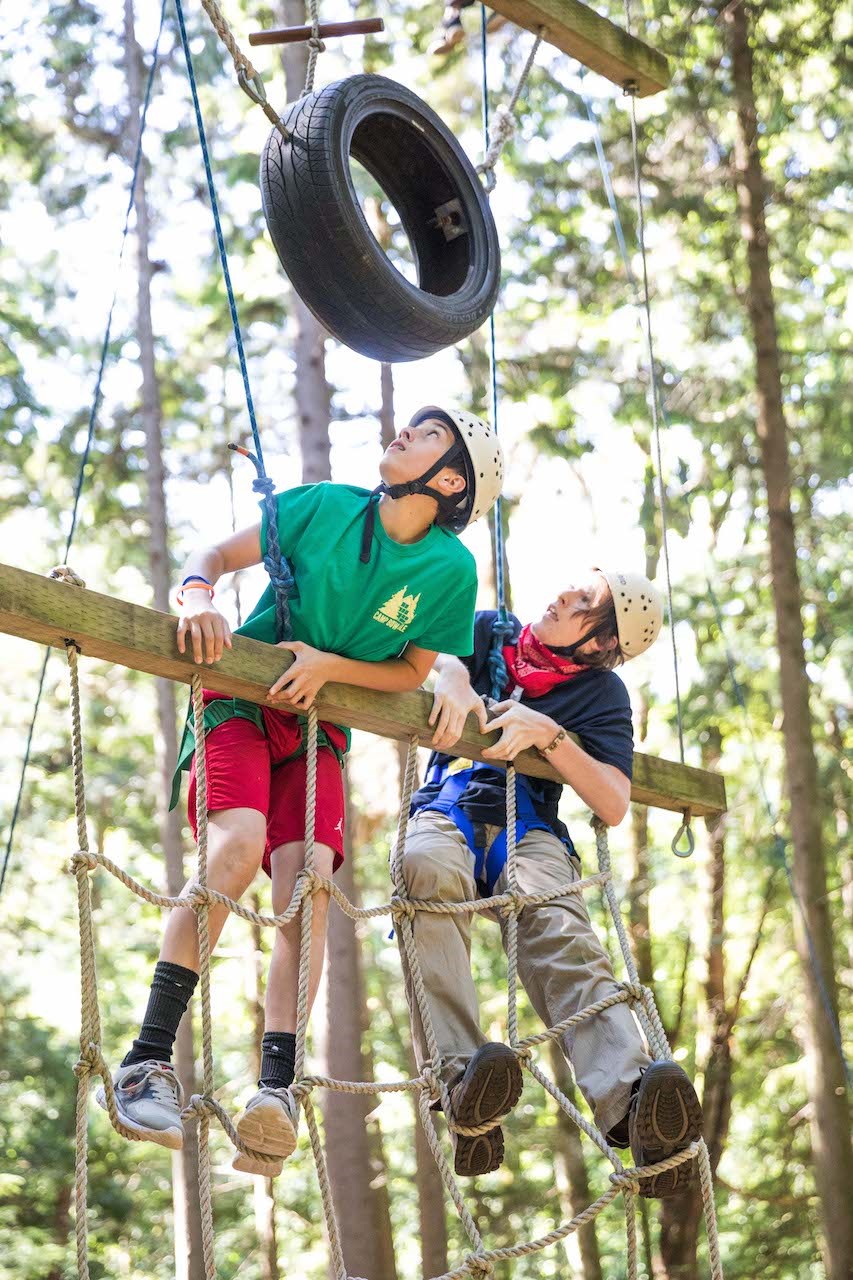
pixel 595 41
pixel 325 31
pixel 50 612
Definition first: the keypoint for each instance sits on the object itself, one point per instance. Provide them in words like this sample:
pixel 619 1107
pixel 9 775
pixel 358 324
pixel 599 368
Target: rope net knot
pixel 513 905
pixel 81 863
pixel 91 1061
pixel 301 1089
pixel 431 1082
pixel 64 573
pixel 198 896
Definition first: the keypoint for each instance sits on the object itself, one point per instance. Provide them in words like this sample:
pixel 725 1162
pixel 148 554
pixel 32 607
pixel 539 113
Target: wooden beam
pixel 50 612
pixel 595 41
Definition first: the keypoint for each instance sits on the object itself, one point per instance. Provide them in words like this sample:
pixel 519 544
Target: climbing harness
pixel 453 779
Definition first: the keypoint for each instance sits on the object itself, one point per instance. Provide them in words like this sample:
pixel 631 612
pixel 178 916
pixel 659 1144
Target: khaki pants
pixel 561 963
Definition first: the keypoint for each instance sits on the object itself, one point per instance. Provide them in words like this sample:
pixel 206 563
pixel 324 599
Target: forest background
pixel 744 174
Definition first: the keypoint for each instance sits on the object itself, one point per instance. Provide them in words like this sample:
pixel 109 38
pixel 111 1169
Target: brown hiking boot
pixel 488 1090
pixel 665 1117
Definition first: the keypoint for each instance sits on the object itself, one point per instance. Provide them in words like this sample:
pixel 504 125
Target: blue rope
pixel 276 565
pixel 780 847
pixel 93 413
pixel 502 628
pixel 274 562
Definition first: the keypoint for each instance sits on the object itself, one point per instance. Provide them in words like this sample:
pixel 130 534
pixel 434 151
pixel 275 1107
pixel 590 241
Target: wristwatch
pixel 546 751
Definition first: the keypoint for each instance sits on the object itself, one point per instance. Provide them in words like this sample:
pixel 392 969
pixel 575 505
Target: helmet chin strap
pixel 569 650
pixel 421 485
pixel 408 489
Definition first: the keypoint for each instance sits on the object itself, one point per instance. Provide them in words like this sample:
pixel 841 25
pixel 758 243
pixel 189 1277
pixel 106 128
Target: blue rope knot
pixel 276 565
pixel 502 629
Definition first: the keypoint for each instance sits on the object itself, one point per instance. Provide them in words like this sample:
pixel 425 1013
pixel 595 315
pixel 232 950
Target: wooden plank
pixel 595 41
pixel 47 611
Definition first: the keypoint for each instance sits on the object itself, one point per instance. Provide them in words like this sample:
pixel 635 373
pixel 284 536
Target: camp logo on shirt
pixel 398 612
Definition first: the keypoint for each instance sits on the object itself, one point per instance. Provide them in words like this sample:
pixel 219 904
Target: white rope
pixel 315 46
pixel 503 123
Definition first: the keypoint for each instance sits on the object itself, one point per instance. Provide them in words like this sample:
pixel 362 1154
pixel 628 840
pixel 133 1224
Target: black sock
pixel 278 1057
pixel 171 990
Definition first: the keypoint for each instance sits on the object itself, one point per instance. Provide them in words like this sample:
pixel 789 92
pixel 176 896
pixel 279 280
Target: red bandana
pixel 537 668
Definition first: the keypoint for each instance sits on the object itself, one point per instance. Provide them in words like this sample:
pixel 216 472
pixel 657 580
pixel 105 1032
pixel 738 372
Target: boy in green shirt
pixel 381 585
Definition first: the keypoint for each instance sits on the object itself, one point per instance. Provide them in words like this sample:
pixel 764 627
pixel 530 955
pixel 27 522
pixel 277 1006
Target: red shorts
pixel 243 773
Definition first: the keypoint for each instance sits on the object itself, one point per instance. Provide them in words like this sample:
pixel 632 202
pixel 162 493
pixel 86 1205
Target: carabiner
pixel 253 86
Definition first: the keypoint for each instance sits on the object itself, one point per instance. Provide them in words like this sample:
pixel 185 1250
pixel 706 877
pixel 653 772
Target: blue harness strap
pixel 487 866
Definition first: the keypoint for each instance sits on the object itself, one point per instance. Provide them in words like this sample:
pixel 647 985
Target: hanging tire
pixel 326 246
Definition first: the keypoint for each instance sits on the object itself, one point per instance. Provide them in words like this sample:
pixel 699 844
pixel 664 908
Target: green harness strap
pixel 222 709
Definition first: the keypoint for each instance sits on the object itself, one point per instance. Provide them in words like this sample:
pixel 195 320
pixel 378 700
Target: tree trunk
pixel 572 1177
pixel 431 1211
pixel 189 1264
pixel 61 1223
pixel 432 1217
pixel 263 1189
pixel 680 1217
pixel 830 1123
pixel 311 391
pixel 639 927
pixel 387 431
pixel 386 435
pixel 356 1166
pixel 842 803
pixel 506 508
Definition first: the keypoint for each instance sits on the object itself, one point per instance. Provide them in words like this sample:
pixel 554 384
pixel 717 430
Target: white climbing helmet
pixel 484 462
pixel 639 610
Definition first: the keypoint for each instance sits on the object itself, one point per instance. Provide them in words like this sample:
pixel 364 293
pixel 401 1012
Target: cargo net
pixel 429 1086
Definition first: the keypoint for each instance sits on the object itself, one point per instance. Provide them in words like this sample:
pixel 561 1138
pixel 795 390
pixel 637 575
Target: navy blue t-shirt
pixel 594 705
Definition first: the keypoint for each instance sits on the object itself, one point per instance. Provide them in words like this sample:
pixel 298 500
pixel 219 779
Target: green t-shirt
pixel 420 593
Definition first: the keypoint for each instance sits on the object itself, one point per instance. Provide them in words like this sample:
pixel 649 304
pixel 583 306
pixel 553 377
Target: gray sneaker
pixel 260 1168
pixel 149 1099
pixel 267 1124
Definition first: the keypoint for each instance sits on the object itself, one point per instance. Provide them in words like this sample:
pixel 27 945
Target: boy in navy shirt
pixel 560 680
